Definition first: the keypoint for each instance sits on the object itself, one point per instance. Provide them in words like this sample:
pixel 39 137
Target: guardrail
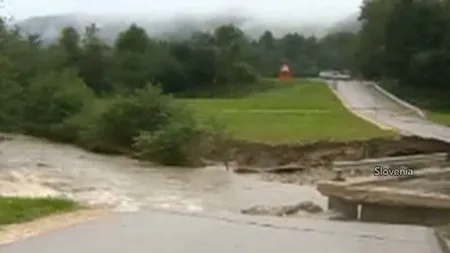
pixel 399 101
pixel 432 159
pixel 356 112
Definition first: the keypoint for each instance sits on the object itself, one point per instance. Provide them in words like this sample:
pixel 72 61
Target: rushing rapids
pixel 30 166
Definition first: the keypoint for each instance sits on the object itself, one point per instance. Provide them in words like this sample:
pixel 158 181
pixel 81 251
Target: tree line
pixel 407 44
pixel 118 97
pixel 205 60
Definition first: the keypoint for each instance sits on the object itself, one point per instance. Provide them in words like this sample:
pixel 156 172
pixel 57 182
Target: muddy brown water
pixel 30 166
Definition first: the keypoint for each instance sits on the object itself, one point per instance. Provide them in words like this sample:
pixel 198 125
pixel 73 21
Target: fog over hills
pixel 110 25
pixel 348 24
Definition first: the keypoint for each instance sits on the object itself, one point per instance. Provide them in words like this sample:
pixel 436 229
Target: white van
pixel 333 74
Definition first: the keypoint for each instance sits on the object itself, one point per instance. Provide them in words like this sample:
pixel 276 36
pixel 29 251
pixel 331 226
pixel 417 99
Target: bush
pixel 146 121
pixel 11 104
pixel 43 106
pixel 429 67
pixel 217 142
pixel 181 142
pixel 244 73
pixel 125 116
pixel 73 128
pixel 52 100
pixel 173 144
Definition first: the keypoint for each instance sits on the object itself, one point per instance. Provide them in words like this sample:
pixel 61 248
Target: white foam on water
pixel 31 167
pixel 26 189
pixel 194 208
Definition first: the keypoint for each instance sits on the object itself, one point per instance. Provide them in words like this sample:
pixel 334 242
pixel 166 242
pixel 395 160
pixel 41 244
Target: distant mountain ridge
pixel 49 27
pixel 348 24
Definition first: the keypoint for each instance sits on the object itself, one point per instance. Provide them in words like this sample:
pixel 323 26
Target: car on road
pixel 334 75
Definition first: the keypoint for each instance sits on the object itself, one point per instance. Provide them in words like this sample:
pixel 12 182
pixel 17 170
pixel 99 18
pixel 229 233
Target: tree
pixel 134 39
pixel 337 51
pixel 95 67
pixel 132 59
pixel 406 41
pixel 69 43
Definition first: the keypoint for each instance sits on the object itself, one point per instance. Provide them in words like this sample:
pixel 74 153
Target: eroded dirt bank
pixel 316 158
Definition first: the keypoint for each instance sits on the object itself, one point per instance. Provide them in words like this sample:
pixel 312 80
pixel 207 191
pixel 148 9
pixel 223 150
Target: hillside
pixel 49 26
pixel 348 24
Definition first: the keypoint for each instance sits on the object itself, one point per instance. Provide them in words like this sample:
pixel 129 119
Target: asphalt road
pixel 365 99
pixel 163 232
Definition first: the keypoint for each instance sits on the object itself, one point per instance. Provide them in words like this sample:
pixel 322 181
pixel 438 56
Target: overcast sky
pixel 311 10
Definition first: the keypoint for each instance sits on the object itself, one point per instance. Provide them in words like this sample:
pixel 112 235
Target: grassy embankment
pixel 293 111
pixel 18 210
pixel 435 103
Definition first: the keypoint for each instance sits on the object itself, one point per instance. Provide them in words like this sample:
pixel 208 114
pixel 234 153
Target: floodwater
pixel 30 166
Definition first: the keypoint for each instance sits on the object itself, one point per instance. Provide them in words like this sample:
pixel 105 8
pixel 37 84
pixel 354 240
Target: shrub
pixel 182 142
pixel 244 73
pixel 125 116
pixel 44 105
pixel 173 144
pixel 217 141
pixel 11 104
pixel 146 121
pixel 52 100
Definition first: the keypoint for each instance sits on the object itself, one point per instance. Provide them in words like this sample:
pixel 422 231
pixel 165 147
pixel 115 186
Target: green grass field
pixel 440 117
pixel 294 111
pixel 434 102
pixel 19 210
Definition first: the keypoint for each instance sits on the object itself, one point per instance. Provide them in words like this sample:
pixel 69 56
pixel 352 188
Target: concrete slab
pixel 414 190
pixel 382 200
pixel 162 232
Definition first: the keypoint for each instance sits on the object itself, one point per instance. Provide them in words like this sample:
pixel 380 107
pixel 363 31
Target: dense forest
pixel 118 97
pixel 406 43
pixel 223 56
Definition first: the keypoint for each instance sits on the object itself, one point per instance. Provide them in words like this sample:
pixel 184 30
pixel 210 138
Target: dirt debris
pixel 284 210
pixel 317 157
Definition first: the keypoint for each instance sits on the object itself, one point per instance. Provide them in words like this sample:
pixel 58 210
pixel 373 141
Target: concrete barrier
pixel 404 214
pixel 357 113
pixel 385 180
pixel 347 208
pixel 399 101
pixel 427 159
pixel 379 203
pixel 384 195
